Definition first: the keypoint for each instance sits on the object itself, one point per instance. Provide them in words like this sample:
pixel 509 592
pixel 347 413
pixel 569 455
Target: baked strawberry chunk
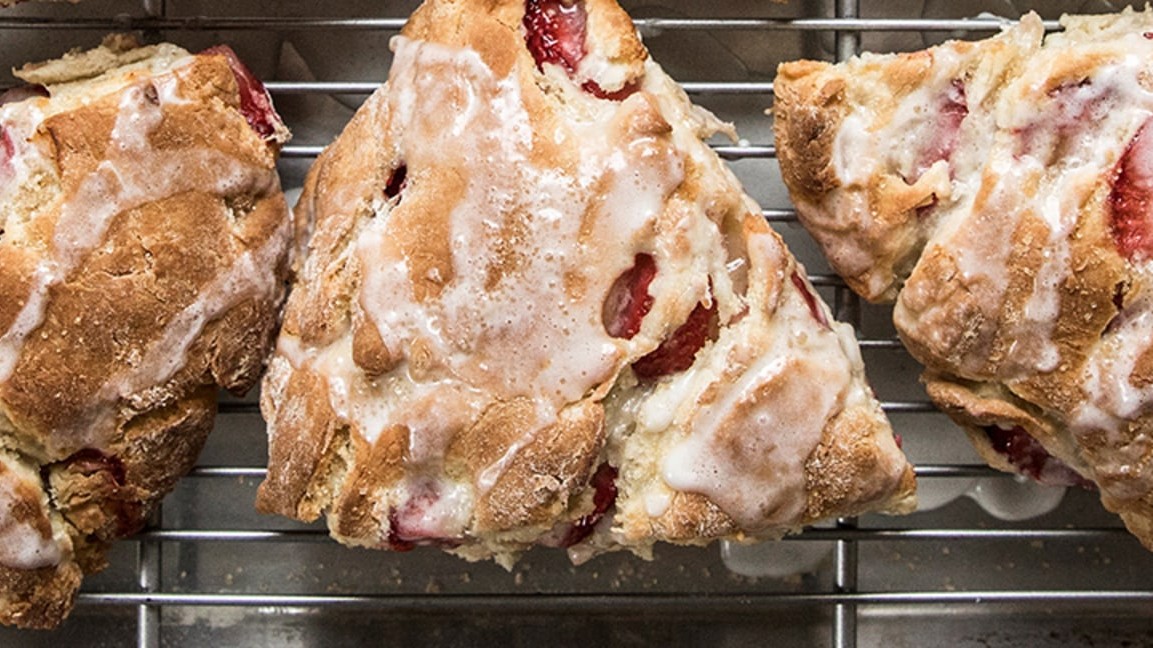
pixel 810 299
pixel 396 182
pixel 628 300
pixel 7 151
pixel 396 541
pixel 1031 459
pixel 20 93
pixel 625 307
pixel 1131 199
pixel 604 483
pixel 1073 109
pixel 594 88
pixel 555 32
pixel 255 104
pixel 7 146
pixel 416 522
pixel 951 111
pixel 120 512
pixel 678 351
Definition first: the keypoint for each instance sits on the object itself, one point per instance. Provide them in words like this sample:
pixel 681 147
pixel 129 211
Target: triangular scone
pixel 144 246
pixel 537 309
pixel 1002 192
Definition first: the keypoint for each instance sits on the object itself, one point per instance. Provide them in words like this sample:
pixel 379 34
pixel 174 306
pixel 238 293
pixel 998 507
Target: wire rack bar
pixel 762 152
pixel 890 344
pixel 845 570
pixel 841 533
pixel 924 470
pixel 746 152
pixel 647 26
pixel 713 605
pixel 845 553
pixel 148 568
pixel 823 279
pixel 890 406
pixel 297 151
pixel 904 407
pixel 780 215
pixel 368 87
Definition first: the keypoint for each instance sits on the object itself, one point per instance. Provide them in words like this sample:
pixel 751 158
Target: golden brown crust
pixel 162 288
pixel 849 474
pixel 309 434
pixel 39 598
pixel 361 165
pixel 807 111
pixel 377 466
pixel 537 488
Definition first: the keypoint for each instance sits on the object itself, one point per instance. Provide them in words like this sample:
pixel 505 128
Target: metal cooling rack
pixel 210 571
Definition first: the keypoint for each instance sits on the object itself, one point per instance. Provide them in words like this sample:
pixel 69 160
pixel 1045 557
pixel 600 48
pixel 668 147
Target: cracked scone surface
pixel 143 252
pixel 537 309
pixel 1000 193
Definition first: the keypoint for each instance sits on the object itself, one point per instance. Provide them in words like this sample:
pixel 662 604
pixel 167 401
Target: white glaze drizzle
pixel 523 336
pixel 758 479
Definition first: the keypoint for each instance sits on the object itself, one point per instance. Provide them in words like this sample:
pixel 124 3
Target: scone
pixel 144 247
pixel 537 309
pixel 1001 192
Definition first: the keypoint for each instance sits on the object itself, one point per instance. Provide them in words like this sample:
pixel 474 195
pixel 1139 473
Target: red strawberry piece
pixel 395 541
pixel 604 483
pixel 1131 199
pixel 555 33
pixel 255 104
pixel 407 524
pixel 628 300
pixel 7 146
pixel 594 88
pixel 20 93
pixel 951 111
pixel 106 474
pixel 7 152
pixel 678 351
pixel 90 461
pixel 810 299
pixel 396 182
pixel 1073 109
pixel 1030 458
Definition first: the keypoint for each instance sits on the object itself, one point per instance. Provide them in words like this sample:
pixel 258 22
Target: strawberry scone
pixel 538 310
pixel 143 256
pixel 1001 192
